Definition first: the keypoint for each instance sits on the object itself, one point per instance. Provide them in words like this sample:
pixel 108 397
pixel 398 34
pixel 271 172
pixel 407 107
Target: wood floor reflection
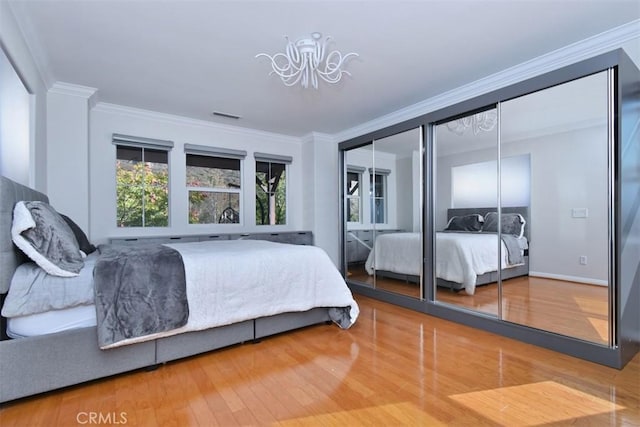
pixel 393 367
pixel 574 309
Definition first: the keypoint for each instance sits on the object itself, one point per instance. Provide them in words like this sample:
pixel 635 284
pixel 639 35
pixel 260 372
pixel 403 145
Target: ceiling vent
pixel 225 115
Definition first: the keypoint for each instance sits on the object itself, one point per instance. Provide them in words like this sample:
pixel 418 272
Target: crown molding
pixel 317 136
pixel 32 42
pixel 139 113
pixel 71 89
pixel 567 55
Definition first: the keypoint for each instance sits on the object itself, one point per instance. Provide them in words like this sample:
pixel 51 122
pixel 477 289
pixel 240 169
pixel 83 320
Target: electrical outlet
pixel 583 260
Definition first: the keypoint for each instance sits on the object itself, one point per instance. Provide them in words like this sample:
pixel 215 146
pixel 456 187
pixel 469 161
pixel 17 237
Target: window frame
pixel 223 154
pixel 271 159
pixel 141 143
pixel 383 173
pixel 359 172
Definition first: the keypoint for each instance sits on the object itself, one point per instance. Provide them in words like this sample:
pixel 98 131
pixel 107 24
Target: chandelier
pixel 484 121
pixel 306 59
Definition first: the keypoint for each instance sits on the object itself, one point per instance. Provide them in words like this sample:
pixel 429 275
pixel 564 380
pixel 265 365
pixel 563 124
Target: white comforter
pixel 461 257
pixel 235 280
pixel 396 252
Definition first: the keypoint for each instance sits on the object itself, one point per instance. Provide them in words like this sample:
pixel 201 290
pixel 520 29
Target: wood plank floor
pixel 574 309
pixel 393 367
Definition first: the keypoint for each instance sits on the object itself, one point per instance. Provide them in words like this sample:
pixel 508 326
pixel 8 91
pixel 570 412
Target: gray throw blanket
pixel 139 290
pixel 514 249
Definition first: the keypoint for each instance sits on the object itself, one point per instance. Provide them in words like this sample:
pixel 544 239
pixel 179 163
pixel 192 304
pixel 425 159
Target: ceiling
pixel 191 58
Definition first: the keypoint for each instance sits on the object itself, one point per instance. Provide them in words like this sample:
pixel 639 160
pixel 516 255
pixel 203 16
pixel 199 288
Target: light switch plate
pixel 579 213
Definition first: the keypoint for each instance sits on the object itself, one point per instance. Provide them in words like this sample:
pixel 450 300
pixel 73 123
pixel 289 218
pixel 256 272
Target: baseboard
pixel 577 279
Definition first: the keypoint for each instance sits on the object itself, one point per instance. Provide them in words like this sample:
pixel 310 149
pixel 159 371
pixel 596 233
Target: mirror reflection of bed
pixel 525 299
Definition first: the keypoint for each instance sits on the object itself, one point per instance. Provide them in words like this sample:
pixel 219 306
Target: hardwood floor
pixel 568 308
pixel 393 367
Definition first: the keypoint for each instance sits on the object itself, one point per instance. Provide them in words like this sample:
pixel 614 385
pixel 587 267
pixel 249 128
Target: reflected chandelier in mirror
pixel 485 121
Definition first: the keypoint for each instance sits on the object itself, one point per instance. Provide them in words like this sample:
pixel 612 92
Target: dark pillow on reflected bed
pixel 83 241
pixel 512 223
pixel 44 236
pixel 471 222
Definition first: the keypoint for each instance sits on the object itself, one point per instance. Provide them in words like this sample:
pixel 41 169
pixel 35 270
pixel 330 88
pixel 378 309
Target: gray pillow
pixel 45 237
pixel 471 222
pixel 512 223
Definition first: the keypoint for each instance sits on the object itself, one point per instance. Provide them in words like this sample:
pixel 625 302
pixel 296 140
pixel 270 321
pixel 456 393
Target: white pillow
pixel 45 237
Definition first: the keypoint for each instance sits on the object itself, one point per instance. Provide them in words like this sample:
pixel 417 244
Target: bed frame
pixel 492 276
pixel 34 365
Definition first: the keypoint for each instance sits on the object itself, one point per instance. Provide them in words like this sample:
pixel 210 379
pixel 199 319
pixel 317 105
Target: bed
pixel 71 352
pixel 467 255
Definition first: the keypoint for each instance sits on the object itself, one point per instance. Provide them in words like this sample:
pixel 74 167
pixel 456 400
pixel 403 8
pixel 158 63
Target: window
pixel 271 189
pixel 378 190
pixel 476 184
pixel 354 193
pixel 142 182
pixel 214 183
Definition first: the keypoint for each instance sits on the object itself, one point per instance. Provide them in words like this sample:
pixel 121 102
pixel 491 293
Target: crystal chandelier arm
pixel 319 52
pixel 304 61
pixel 332 72
pixel 288 73
pixel 293 54
pixel 293 65
pixel 488 121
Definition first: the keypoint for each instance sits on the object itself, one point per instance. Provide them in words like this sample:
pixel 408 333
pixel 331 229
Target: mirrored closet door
pixel 555 160
pixel 383 214
pixel 466 190
pixel 530 221
pixel 357 215
pixel 522 210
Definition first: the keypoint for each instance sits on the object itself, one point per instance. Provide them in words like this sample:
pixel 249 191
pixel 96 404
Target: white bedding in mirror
pixel 462 257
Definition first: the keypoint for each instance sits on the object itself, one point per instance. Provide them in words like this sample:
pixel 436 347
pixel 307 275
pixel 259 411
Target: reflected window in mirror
pixel 378 188
pixel 475 184
pixel 354 194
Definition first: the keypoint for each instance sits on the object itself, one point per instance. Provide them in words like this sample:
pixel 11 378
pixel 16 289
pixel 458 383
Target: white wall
pixel 106 119
pixel 404 193
pixel 68 145
pixel 417 190
pixel 15 125
pixel 14 46
pixel 321 178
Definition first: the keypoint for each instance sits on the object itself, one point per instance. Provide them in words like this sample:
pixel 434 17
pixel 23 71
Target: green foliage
pixel 196 200
pixel 279 197
pixel 142 194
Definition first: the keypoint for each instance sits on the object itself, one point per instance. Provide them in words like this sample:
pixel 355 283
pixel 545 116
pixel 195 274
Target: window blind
pixel 140 142
pixel 355 169
pixel 274 158
pixel 205 150
pixel 379 171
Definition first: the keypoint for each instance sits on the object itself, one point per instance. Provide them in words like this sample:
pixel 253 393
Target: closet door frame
pixel 624 289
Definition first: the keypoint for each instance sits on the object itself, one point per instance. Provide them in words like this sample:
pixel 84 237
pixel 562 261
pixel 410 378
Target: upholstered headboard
pixel 522 210
pixel 11 257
